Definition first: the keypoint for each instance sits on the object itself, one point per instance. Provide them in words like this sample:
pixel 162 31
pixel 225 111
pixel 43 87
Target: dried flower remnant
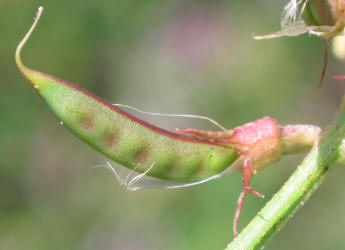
pixel 323 18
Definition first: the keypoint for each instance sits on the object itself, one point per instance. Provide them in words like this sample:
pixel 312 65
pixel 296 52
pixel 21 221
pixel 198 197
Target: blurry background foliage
pixel 194 57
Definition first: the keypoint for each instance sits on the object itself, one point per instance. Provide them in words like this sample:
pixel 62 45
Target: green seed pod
pixel 122 137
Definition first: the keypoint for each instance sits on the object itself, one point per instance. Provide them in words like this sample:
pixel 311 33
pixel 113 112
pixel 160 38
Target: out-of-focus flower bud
pixel 338 47
pixel 324 18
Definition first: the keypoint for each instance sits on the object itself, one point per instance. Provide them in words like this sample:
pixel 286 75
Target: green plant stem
pixel 326 153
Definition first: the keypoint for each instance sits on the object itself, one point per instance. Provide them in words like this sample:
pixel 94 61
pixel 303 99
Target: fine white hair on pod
pixel 133 180
pixel 126 177
pixel 173 115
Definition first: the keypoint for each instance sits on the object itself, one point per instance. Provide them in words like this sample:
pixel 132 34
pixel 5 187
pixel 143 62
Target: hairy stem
pixel 326 153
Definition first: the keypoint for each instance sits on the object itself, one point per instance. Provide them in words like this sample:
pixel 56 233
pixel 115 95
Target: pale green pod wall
pixel 122 137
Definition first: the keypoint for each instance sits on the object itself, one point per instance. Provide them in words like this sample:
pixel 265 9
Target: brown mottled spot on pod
pixel 142 155
pixel 170 167
pixel 86 122
pixel 112 139
pixel 326 168
pixel 199 168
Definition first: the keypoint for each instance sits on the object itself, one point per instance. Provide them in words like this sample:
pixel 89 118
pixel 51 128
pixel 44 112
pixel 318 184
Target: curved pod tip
pixel 19 62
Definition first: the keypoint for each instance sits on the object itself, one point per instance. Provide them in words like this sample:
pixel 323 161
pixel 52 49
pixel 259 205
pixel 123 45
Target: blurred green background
pixel 169 56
